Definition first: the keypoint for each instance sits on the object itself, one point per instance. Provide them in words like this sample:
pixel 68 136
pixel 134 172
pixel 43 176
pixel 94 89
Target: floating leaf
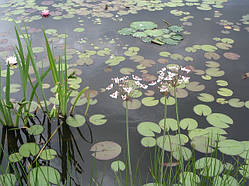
pixel 98 119
pixel 170 124
pixel 105 150
pixel 132 104
pixel 222 83
pixel 206 97
pixel 231 56
pixel 188 123
pixel 186 153
pixel 143 25
pixel 210 166
pixel 7 179
pixel 28 149
pixel 201 109
pixel 208 48
pixel 48 154
pixel 180 93
pixel 195 86
pixel 219 120
pixel 214 72
pixel 79 30
pixel 150 101
pixel 76 121
pixel 170 100
pixel 148 141
pixel 127 71
pixel 247 104
pixel 231 147
pixel 148 128
pixel 203 144
pixel 190 179
pixel 235 102
pixel 35 130
pixel 176 28
pixel 43 175
pixel 15 157
pixel 118 166
pixel 225 92
pixel 127 31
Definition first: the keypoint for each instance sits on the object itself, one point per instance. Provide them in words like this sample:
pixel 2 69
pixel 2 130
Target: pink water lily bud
pixel 45 13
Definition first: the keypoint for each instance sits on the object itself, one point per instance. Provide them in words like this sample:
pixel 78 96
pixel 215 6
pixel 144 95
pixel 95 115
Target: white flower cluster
pixel 11 60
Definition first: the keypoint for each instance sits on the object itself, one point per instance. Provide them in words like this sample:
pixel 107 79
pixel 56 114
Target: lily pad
pixel 76 121
pixel 143 25
pixel 225 92
pixel 148 128
pixel 176 28
pixel 170 100
pixel 28 149
pixel 188 123
pixel 186 153
pixel 170 124
pixel 98 119
pixel 127 31
pixel 203 144
pixel 148 141
pixel 210 166
pixel 7 179
pixel 231 147
pixel 133 104
pixel 15 157
pixel 195 86
pixel 202 110
pixel 205 97
pixel 35 130
pixel 150 101
pixel 219 120
pixel 118 166
pixel 48 154
pixel 235 102
pixel 105 150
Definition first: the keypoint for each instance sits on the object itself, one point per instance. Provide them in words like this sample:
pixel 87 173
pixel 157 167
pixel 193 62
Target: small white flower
pixel 185 79
pixel 127 89
pixel 114 95
pixel 168 78
pixel 144 86
pixel 124 97
pixel 164 88
pixel 136 78
pixel 109 87
pixel 152 83
pixel 185 69
pixel 116 80
pixel 11 60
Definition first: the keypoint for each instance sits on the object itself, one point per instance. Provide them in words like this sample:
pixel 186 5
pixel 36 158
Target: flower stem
pixel 179 133
pixel 128 142
pixel 164 133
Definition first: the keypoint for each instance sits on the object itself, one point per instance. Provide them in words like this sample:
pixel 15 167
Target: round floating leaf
pixel 219 120
pixel 221 101
pixel 231 147
pixel 195 86
pixel 201 109
pixel 170 124
pixel 190 179
pixel 165 54
pixel 231 56
pixel 206 97
pixel 127 31
pixel 139 35
pixel 247 104
pixel 188 123
pixel 7 179
pixel 148 141
pixel 150 101
pixel 177 37
pixel 132 104
pixel 105 150
pixel 225 92
pixel 4 73
pixel 28 149
pixel 44 175
pixel 215 72
pixel 186 153
pixel 150 184
pixel 235 102
pixel 79 30
pixel 127 71
pixel 48 154
pixel 154 33
pixel 222 83
pixel 35 130
pixel 203 144
pixel 13 88
pixel 170 41
pixel 148 128
pixel 208 48
pixel 170 100
pixel 143 25
pixel 210 166
pixel 212 64
pixel 76 121
pixel 98 119
pixel 15 157
pixel 226 180
pixel 118 166
pixel 180 93
pixel 176 28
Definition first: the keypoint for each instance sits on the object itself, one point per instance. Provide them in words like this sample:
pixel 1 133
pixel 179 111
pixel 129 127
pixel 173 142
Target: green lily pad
pixel 219 120
pixel 115 60
pixel 210 166
pixel 127 31
pixel 148 141
pixel 190 179
pixel 76 121
pixel 35 130
pixel 247 104
pixel 15 157
pixel 208 48
pixel 13 88
pixel 28 149
pixel 205 97
pixel 79 30
pixel 170 124
pixel 222 83
pixel 118 166
pixel 176 28
pixel 214 72
pixel 150 101
pixel 139 34
pixel 165 54
pixel 143 25
pixel 188 123
pixel 203 144
pixel 133 104
pixel 44 175
pixel 98 119
pixel 48 154
pixel 4 73
pixel 169 101
pixel 126 71
pixel 7 179
pixel 37 49
pixel 235 102
pixel 225 92
pixel 154 33
pixel 231 147
pixel 244 171
pixel 202 110
pixel 105 150
pixel 186 153
pixel 148 128
pixel 195 86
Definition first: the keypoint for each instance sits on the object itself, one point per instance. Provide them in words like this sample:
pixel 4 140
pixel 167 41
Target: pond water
pixel 209 37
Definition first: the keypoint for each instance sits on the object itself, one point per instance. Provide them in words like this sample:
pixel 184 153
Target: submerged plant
pixel 124 87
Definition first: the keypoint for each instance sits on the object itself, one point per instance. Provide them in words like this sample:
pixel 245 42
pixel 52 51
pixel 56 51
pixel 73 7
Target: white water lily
pixel 11 60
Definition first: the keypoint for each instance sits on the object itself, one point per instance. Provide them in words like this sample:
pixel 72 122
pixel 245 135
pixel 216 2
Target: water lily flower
pixel 45 13
pixel 11 60
pixel 109 87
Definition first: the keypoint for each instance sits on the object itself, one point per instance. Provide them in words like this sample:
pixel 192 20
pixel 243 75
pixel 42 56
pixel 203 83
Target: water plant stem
pixel 164 133
pixel 128 142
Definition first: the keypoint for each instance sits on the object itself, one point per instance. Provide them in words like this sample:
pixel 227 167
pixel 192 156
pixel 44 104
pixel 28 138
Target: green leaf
pixel 118 166
pixel 28 149
pixel 148 128
pixel 190 179
pixel 206 97
pixel 210 166
pixel 170 124
pixel 7 179
pixel 235 102
pixel 148 141
pixel 247 104
pixel 186 153
pixel 176 28
pixel 79 30
pixel 98 119
pixel 143 25
pixel 202 110
pixel 208 48
pixel 188 123
pixel 15 157
pixel 219 120
pixel 231 147
pixel 170 100
pixel 43 175
pixel 195 86
pixel 222 83
pixel 76 121
pixel 132 104
pixel 150 101
pixel 225 92
pixel 48 154
pixel 127 31
pixel 35 130
pixel 203 144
